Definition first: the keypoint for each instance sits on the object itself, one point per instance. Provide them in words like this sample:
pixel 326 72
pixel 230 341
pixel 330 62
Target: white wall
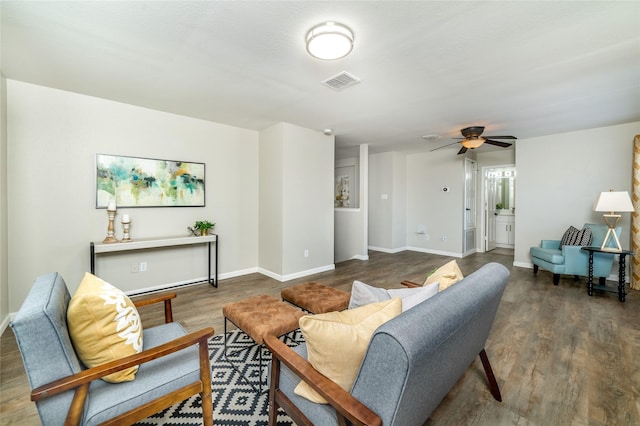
pixel 559 177
pixel 430 209
pixel 351 225
pixel 4 277
pixel 387 201
pixel 301 203
pixel 381 174
pixel 53 137
pixel 271 204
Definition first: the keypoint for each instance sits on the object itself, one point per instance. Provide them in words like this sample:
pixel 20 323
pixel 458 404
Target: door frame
pixel 483 211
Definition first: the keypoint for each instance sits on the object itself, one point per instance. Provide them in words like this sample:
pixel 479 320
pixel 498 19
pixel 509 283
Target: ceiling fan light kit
pixel 472 143
pixel 329 41
pixel 472 139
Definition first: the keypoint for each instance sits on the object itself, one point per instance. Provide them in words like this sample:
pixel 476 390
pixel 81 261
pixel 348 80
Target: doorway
pixel 499 207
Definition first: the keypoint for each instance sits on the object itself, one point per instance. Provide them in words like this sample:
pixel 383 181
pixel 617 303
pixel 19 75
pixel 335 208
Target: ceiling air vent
pixel 341 81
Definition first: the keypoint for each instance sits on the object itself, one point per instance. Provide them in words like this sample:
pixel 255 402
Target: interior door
pixel 490 185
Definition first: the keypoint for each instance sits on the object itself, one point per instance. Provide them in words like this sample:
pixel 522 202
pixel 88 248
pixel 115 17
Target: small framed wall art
pixel 148 182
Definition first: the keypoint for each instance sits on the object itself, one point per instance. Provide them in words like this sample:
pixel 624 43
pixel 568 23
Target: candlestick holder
pixel 125 229
pixel 110 236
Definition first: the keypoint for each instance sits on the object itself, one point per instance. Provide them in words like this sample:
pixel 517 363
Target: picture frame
pixel 148 182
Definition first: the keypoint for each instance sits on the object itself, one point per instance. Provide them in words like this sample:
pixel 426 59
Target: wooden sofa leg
pixel 602 280
pixel 493 384
pixel 535 269
pixel 556 279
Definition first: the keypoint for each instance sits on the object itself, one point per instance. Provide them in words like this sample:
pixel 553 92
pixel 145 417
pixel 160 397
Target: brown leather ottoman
pixel 316 298
pixel 256 317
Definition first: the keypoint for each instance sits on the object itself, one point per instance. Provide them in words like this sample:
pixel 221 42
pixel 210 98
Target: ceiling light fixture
pixel 329 41
pixel 473 142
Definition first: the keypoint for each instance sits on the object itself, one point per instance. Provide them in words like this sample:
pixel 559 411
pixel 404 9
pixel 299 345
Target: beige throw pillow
pixel 104 326
pixel 337 341
pixel 446 275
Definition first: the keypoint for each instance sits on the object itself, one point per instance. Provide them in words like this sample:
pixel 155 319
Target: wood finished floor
pixel 560 356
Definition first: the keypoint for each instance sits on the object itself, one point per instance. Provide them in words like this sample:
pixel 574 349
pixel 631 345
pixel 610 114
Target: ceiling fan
pixel 472 139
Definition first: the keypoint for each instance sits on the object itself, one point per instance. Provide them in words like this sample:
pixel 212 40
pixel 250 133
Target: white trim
pixel 195 281
pixel 283 278
pixel 441 253
pixel 6 321
pixel 469 252
pixel 360 257
pixel 386 250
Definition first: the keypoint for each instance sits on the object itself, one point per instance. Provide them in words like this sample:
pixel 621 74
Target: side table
pixel 621 271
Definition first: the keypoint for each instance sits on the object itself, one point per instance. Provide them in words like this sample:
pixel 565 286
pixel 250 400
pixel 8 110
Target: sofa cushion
pixel 576 237
pixel 336 342
pixel 363 294
pixel 446 275
pixel 104 325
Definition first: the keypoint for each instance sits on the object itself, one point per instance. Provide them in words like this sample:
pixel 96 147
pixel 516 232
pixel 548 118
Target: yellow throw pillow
pixel 104 326
pixel 446 275
pixel 337 342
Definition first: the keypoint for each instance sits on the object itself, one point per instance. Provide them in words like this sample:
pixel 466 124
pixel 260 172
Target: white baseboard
pixel 438 252
pixel 528 265
pixel 5 322
pixel 289 277
pixel 360 257
pixel 387 250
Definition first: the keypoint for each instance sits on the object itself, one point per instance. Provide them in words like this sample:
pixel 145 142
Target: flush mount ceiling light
pixel 329 40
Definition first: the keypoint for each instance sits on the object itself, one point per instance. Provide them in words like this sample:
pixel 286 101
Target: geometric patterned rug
pixel 235 402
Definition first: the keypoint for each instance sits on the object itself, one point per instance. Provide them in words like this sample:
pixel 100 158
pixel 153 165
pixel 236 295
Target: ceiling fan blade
pixel 462 150
pixel 500 137
pixel 443 146
pixel 497 143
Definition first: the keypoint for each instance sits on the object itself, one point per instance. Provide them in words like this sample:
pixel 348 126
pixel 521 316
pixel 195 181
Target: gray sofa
pixel 412 361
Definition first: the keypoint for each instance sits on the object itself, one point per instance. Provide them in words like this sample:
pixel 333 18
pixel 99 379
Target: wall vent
pixel 341 81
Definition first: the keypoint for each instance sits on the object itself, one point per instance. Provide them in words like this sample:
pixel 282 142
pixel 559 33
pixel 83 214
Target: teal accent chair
pixel 571 260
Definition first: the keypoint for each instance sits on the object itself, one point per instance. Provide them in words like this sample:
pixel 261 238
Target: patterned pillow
pixel 104 326
pixel 576 237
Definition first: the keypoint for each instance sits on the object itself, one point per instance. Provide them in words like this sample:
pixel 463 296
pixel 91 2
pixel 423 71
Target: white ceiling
pixel 519 68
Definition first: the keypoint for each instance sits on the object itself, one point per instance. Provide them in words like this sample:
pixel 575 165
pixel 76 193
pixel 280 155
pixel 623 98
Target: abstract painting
pixel 146 182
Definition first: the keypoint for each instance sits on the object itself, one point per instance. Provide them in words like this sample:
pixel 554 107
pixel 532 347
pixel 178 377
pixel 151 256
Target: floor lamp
pixel 612 202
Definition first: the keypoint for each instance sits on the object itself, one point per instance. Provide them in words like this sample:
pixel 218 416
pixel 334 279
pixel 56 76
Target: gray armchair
pixel 174 365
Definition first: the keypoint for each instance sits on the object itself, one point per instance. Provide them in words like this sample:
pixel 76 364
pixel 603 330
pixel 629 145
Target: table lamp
pixel 612 201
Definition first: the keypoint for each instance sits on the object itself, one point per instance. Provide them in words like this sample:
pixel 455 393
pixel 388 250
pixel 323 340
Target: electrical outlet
pixel 306 253
pixel 143 266
pixel 135 268
pixel 444 238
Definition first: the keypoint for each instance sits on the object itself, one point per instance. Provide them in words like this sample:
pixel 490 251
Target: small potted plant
pixel 203 226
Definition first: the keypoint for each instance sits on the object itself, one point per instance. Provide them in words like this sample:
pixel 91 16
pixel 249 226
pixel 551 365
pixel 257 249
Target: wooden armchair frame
pixel 81 381
pixel 349 410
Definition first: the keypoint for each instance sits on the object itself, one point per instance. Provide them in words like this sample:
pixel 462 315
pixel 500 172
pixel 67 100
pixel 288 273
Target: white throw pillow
pixel 364 294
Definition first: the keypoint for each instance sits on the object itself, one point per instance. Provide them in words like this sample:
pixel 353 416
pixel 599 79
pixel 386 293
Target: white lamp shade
pixel 473 143
pixel 330 40
pixel 613 201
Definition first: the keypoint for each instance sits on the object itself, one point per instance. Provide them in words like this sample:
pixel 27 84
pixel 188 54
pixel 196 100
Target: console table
pixel 150 243
pixel 621 271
